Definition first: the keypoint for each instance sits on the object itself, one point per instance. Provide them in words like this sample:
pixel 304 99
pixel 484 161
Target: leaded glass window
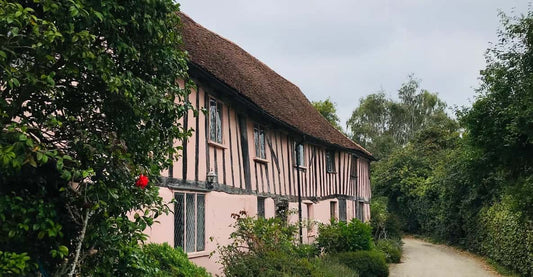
pixel 330 161
pixel 215 120
pixel 259 138
pixel 189 221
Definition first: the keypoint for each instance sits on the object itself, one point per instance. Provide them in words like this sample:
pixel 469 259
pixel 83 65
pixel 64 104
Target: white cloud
pixel 347 49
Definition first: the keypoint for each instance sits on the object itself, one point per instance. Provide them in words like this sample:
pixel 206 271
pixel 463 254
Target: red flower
pixel 142 181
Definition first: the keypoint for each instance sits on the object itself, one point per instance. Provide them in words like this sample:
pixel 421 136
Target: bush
pixel 344 237
pixel 307 250
pixel 269 264
pixel 165 260
pixel 385 225
pixel 328 267
pixel 505 238
pixel 15 264
pixel 263 247
pixel 392 249
pixel 266 247
pixel 366 263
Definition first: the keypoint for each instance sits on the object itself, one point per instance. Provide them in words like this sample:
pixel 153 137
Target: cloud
pixel 347 49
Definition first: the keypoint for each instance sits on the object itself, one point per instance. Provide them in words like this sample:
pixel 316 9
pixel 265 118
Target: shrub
pixel 392 249
pixel 262 247
pixel 344 237
pixel 366 263
pixel 165 260
pixel 385 225
pixel 505 238
pixel 15 264
pixel 307 250
pixel 268 264
pixel 328 267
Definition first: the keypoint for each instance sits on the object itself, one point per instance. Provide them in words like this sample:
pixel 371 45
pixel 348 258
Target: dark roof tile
pixel 258 83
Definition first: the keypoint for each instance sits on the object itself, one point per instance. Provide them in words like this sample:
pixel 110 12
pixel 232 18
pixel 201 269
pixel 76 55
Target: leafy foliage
pixel 366 263
pixel 382 125
pixel 330 267
pixel 267 247
pixel 15 264
pixel 340 236
pixel 475 190
pixel 500 223
pixel 260 247
pixel 391 248
pixel 384 223
pixel 88 103
pixel 328 110
pixel 169 261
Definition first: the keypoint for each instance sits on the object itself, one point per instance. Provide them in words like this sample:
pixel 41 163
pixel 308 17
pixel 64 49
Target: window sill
pixel 198 254
pixel 331 172
pixel 217 145
pixel 261 160
pixel 300 167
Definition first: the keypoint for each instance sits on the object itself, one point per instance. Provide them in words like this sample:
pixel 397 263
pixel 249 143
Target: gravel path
pixel 423 259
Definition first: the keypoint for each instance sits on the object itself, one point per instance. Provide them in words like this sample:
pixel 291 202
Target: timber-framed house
pixel 260 146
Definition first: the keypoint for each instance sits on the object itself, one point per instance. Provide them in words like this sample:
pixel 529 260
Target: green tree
pixel 328 110
pixel 382 125
pixel 500 122
pixel 475 190
pixel 89 91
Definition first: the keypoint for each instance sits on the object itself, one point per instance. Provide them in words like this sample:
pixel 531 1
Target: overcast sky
pixel 346 50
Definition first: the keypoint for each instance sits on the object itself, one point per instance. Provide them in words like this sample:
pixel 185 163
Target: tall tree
pixel 88 103
pixel 381 124
pixel 500 122
pixel 328 110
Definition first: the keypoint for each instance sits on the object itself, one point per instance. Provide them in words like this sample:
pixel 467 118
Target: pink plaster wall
pixel 218 221
pixel 276 175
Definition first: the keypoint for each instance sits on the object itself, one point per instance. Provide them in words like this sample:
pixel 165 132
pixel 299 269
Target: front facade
pixel 258 143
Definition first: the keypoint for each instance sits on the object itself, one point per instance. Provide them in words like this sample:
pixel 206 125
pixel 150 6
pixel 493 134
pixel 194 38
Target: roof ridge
pixel 239 47
pixel 256 81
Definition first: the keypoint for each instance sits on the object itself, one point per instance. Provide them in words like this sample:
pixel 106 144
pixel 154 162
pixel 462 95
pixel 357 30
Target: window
pixel 353 167
pixel 310 216
pixel 360 207
pixel 261 207
pixel 282 210
pixel 215 120
pixel 330 161
pixel 300 155
pixel 342 210
pixel 259 136
pixel 333 210
pixel 189 221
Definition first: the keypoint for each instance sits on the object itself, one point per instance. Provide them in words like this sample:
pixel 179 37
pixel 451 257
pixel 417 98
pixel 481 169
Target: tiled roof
pixel 257 82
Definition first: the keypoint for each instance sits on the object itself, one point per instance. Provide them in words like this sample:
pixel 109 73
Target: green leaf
pixel 99 15
pixel 59 164
pixel 66 175
pixel 39 156
pixel 63 250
